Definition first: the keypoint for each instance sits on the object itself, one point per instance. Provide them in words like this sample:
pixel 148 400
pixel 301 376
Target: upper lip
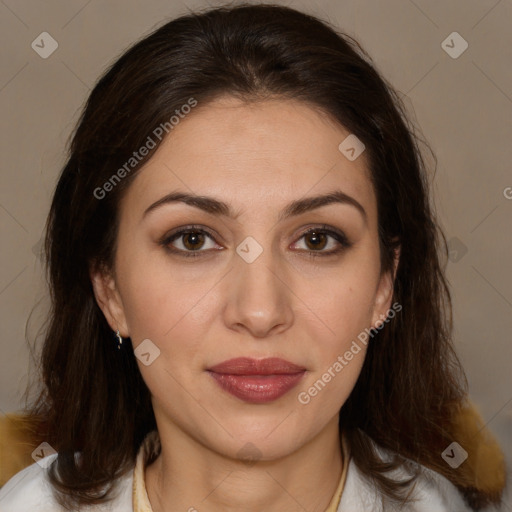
pixel 249 366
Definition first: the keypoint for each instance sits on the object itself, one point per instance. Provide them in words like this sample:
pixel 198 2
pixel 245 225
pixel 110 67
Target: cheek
pixel 344 302
pixel 341 348
pixel 328 389
pixel 344 305
pixel 155 293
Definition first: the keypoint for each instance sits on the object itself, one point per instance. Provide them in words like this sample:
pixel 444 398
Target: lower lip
pixel 257 389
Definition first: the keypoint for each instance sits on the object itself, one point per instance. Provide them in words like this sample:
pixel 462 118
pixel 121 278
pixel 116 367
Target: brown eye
pixel 189 241
pixel 193 240
pixel 324 241
pixel 316 240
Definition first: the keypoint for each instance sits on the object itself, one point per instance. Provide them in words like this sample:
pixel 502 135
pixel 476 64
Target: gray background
pixel 463 106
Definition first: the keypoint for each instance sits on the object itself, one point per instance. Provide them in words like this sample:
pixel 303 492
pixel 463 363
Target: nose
pixel 259 297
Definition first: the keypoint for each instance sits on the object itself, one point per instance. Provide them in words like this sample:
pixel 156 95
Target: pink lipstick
pixel 257 380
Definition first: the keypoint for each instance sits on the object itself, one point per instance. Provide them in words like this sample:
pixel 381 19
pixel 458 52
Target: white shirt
pixel 30 491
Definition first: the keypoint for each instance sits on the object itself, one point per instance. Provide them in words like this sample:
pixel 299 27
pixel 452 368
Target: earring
pixel 119 339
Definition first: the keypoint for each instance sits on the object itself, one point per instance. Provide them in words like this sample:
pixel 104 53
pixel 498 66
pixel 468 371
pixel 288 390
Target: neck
pixel 188 476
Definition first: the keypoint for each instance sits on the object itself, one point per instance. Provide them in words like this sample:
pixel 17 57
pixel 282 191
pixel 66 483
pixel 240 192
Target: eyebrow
pixel 297 207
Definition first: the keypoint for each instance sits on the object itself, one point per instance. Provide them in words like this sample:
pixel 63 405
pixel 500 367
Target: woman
pixel 249 309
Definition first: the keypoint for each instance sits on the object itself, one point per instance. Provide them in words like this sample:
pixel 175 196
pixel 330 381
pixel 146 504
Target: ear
pixel 384 294
pixel 108 299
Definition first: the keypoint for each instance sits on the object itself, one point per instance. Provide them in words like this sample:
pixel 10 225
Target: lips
pixel 248 366
pixel 257 381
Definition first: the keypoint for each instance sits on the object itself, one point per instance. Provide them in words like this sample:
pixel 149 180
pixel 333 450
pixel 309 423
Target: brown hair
pixel 94 400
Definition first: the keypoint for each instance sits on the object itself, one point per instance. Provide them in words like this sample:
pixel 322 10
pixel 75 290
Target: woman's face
pixel 258 287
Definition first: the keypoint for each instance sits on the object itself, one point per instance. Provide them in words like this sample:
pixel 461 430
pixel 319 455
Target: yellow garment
pixel 16 446
pixel 151 445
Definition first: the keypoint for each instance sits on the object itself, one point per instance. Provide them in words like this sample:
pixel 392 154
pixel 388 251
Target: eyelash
pixel 339 236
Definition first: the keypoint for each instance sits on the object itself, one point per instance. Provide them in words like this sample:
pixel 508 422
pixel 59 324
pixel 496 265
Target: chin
pixel 259 441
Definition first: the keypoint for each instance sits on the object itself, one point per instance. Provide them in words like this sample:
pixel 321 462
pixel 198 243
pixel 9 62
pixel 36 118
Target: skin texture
pixel 200 311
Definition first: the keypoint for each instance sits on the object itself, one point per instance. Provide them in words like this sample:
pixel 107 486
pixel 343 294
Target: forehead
pixel 259 153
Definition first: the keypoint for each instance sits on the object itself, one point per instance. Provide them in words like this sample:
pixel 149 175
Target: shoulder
pixel 431 492
pixel 30 491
